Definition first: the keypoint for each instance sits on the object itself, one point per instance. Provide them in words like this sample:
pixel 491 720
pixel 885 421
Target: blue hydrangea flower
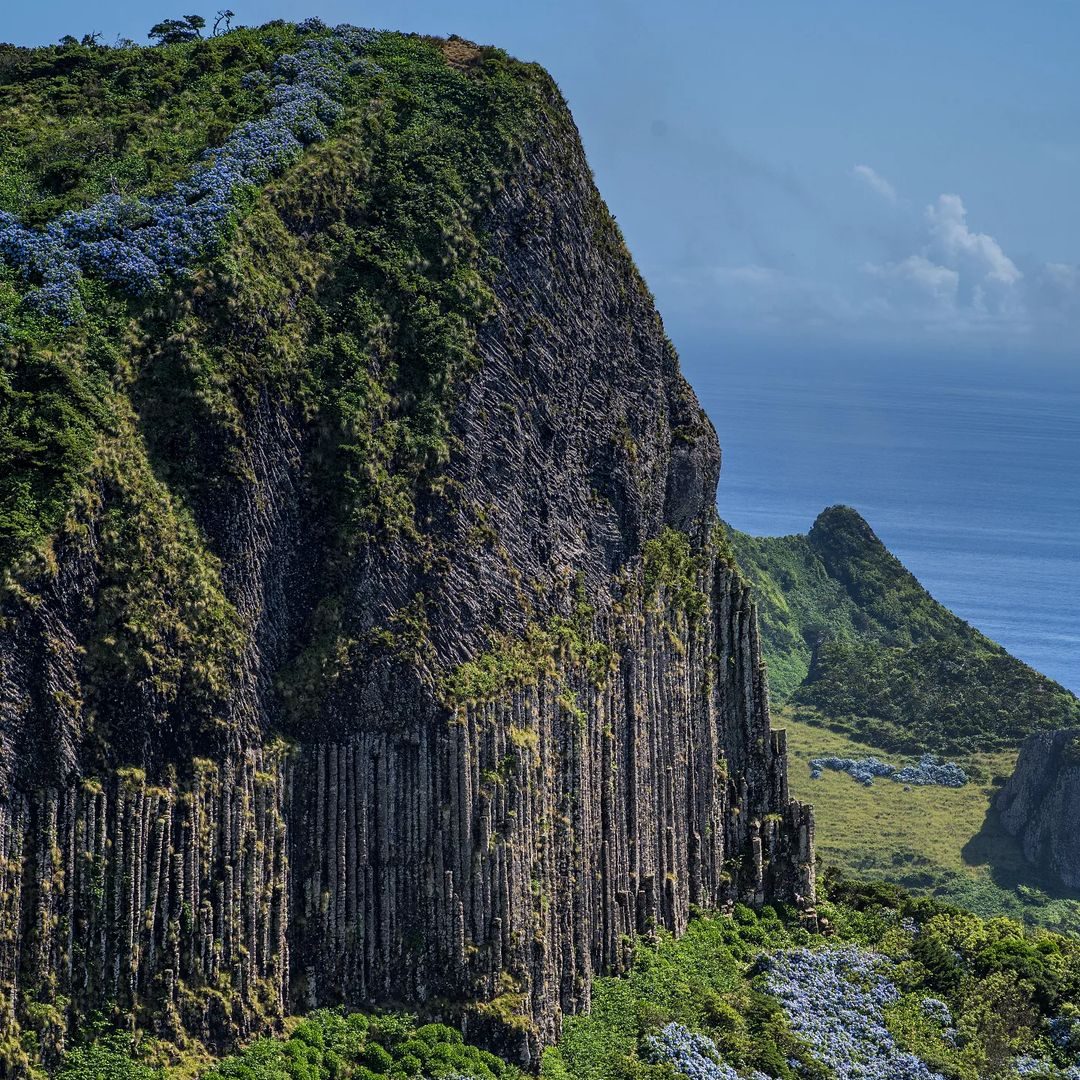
pixel 136 243
pixel 693 1056
pixel 929 771
pixel 835 999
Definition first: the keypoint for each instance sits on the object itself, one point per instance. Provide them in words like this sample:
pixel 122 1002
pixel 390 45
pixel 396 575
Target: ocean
pixel 967 468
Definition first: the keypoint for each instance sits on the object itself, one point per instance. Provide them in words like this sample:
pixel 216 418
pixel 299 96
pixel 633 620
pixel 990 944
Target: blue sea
pixel 968 469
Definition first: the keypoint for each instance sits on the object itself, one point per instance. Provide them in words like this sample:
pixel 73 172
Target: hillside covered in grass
pixel 851 638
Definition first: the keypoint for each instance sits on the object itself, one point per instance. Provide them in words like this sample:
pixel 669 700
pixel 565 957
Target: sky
pixel 827 174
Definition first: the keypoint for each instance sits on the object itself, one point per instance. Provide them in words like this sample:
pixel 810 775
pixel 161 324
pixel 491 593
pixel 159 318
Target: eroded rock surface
pixel 1040 804
pixel 538 727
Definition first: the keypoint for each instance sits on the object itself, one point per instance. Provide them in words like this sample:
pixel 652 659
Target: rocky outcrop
pixel 460 764
pixel 1040 804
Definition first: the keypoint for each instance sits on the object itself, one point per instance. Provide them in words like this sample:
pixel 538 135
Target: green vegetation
pixel 81 121
pixel 703 980
pixel 943 842
pixel 850 636
pixel 862 659
pixel 1002 985
pixel 671 562
pixel 516 661
pixel 349 290
pixel 326 1045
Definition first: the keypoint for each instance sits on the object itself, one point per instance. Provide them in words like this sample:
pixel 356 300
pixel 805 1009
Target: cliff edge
pixel 1040 803
pixel 367 631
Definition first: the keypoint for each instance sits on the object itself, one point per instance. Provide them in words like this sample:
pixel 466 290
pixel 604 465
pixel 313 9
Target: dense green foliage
pixel 952 695
pixel 703 980
pixel 329 1045
pixel 81 121
pixel 350 289
pixel 324 1046
pixel 1002 984
pixel 852 638
pixel 671 562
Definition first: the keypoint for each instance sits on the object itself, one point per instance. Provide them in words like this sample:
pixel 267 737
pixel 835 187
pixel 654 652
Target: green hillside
pixel 944 842
pixel 851 638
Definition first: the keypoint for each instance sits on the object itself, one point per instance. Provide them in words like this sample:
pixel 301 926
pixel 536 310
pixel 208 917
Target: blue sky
pixel 824 173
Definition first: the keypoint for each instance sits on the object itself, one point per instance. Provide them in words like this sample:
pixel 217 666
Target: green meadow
pixel 944 842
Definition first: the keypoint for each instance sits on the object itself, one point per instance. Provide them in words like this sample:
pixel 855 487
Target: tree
pixel 224 16
pixel 170 31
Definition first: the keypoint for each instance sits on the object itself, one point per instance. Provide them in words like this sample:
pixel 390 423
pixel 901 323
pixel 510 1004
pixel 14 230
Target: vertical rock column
pixel 13 824
pixel 503 854
pixel 168 902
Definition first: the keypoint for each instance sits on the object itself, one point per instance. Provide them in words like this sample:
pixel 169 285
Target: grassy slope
pixel 943 841
pixel 851 636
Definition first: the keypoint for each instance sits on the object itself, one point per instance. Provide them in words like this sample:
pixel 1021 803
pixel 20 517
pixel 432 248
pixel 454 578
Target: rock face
pixel 1040 804
pixel 540 727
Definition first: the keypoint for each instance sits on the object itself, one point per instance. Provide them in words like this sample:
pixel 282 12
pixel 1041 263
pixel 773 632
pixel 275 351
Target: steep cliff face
pixel 389 649
pixel 1040 804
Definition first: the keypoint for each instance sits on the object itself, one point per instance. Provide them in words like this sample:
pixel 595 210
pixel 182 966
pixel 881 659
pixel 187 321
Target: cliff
pixel 1040 804
pixel 367 632
pixel 850 635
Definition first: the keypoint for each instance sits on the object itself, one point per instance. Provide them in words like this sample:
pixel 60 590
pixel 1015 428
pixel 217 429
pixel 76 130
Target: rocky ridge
pixel 456 746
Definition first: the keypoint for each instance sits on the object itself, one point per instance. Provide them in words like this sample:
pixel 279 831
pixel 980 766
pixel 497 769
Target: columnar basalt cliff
pixel 1040 804
pixel 389 649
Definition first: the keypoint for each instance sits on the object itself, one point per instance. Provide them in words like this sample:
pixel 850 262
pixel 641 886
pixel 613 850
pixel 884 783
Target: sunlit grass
pixel 932 840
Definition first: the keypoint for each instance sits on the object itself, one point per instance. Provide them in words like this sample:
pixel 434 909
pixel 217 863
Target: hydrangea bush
pixel 836 999
pixel 1026 1066
pixel 693 1056
pixel 1065 1036
pixel 135 243
pixel 929 771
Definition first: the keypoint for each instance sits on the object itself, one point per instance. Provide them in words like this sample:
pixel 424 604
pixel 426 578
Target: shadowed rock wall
pixel 1040 804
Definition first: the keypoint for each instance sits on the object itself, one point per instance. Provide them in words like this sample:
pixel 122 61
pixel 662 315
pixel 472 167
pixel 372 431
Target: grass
pixel 849 632
pixel 935 841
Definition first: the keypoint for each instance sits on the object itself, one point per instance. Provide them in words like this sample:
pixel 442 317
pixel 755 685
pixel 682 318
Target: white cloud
pixel 1063 279
pixel 923 279
pixel 942 279
pixel 873 179
pixel 957 244
pixel 957 278
pixel 1055 290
